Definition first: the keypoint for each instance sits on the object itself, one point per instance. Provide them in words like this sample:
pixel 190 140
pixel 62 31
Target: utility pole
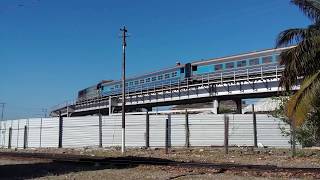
pixel 124 45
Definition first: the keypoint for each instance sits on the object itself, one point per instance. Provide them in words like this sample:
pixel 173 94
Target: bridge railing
pixel 219 77
pixel 256 73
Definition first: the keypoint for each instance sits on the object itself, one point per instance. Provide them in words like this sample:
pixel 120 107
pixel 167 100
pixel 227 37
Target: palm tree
pixel 302 63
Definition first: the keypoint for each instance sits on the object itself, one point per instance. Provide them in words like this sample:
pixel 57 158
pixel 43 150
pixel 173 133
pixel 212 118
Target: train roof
pixel 105 81
pixel 251 54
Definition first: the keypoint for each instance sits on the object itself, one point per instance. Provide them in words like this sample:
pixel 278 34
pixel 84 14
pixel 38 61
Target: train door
pixel 187 69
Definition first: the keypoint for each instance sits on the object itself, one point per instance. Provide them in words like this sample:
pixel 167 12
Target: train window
pixel 241 63
pixel 131 83
pixel 117 86
pixel 174 74
pixel 181 70
pixel 141 81
pixel 148 80
pixel 218 67
pixel 230 65
pixel 136 82
pixel 160 77
pixel 194 68
pixel 154 78
pixel 253 61
pixel 126 84
pixel 267 59
pixel 167 76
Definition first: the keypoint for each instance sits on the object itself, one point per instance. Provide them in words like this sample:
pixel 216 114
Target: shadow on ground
pixel 60 167
pixel 26 171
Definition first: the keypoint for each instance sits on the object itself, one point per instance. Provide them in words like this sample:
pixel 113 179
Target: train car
pixel 88 93
pixel 152 80
pixel 238 63
pixel 92 91
pixel 149 81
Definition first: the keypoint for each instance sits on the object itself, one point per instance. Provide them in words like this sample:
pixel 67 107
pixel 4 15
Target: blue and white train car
pixel 147 81
pixel 237 63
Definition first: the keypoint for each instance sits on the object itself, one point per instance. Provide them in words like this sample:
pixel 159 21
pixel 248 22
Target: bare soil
pixel 44 169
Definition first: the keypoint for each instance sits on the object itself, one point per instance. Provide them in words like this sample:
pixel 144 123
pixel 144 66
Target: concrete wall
pixel 205 130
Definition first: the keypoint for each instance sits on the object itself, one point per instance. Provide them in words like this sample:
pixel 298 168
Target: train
pixel 180 73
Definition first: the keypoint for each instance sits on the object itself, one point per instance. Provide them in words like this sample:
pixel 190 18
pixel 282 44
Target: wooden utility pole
pixel 124 45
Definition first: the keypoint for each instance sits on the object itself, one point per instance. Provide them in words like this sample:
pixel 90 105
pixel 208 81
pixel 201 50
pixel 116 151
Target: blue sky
pixel 49 49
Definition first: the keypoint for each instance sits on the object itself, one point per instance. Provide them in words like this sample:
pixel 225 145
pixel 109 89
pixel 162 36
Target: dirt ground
pixel 12 168
pixel 41 169
pixel 244 155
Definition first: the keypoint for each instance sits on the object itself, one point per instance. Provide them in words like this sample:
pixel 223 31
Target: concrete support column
pixel 215 108
pixel 239 105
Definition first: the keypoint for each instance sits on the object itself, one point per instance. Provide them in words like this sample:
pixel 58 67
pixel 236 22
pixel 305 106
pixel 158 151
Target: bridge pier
pixel 215 108
pixel 239 105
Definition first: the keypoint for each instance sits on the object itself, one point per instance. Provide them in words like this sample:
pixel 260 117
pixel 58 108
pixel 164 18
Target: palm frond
pixel 296 35
pixel 300 61
pixel 301 103
pixel 311 8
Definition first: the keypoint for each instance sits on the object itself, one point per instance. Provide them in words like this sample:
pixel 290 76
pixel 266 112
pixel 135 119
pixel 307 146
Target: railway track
pixel 129 160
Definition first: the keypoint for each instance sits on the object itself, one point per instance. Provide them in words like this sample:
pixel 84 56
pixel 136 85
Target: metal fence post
pixel 293 137
pixel 18 133
pixel 255 138
pixel 147 130
pixel 60 130
pixel 168 134
pixel 25 137
pixel 100 130
pixel 226 133
pixel 187 130
pixel 10 138
pixel 40 132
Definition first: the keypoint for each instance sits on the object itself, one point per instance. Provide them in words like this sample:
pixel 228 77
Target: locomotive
pixel 186 72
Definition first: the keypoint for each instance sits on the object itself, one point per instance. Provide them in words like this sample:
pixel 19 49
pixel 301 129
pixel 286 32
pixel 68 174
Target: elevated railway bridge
pixel 254 82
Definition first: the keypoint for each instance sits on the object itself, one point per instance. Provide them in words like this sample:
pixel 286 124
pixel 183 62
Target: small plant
pixel 308 133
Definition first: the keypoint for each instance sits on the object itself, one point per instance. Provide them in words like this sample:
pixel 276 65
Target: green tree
pixel 302 63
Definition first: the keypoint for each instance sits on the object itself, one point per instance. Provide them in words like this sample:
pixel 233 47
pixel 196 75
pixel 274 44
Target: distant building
pixel 262 106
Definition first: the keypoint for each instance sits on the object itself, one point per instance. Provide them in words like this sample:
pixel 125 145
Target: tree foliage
pixel 308 133
pixel 302 63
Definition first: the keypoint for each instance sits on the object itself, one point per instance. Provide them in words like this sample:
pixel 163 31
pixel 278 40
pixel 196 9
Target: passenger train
pixel 185 72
